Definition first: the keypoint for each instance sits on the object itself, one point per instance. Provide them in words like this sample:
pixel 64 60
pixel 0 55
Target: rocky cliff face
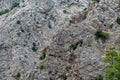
pixel 55 39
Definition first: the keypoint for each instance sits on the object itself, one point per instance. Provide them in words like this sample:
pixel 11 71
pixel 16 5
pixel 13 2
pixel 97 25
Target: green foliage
pixel 34 44
pixel 18 22
pixel 34 48
pixel 84 16
pixel 44 51
pixel 81 78
pixel 14 5
pixel 63 76
pixel 4 12
pixel 64 11
pixel 22 30
pixel 112 70
pixel 18 75
pixel 96 1
pixel 99 77
pixel 41 65
pixel 118 20
pixel 75 44
pixel 102 35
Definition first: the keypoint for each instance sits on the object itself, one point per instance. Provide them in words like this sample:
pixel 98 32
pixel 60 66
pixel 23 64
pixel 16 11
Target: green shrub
pixel 14 5
pixel 112 69
pixel 96 1
pixel 84 16
pixel 18 22
pixel 22 30
pixel 41 65
pixel 63 76
pixel 34 48
pixel 118 20
pixel 18 75
pixel 4 12
pixel 81 78
pixel 44 51
pixel 64 11
pixel 75 44
pixel 102 35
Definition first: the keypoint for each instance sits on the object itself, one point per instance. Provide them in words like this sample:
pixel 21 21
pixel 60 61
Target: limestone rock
pixel 62 32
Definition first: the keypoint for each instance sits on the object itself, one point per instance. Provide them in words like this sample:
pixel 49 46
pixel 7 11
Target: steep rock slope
pixel 55 39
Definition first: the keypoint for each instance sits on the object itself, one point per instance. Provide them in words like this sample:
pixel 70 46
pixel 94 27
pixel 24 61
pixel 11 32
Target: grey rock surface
pixel 49 27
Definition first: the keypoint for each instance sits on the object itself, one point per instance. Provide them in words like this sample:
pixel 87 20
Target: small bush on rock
pixel 64 11
pixel 22 30
pixel 41 65
pixel 14 5
pixel 84 16
pixel 112 69
pixel 63 76
pixel 18 75
pixel 18 22
pixel 102 35
pixel 96 1
pixel 44 51
pixel 4 12
pixel 34 48
pixel 75 44
pixel 118 20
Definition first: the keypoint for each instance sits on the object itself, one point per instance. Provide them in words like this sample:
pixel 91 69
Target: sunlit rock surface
pixel 48 28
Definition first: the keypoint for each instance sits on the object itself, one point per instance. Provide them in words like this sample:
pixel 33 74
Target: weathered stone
pixel 55 25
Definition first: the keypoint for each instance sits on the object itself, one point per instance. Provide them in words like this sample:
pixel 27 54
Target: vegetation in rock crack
pixel 84 16
pixel 18 75
pixel 81 78
pixel 119 4
pixel 14 5
pixel 112 69
pixel 63 77
pixel 43 55
pixel 75 44
pixel 41 65
pixel 65 11
pixel 34 48
pixel 101 35
pixel 59 39
pixel 22 30
pixel 18 22
pixel 96 1
pixel 4 12
pixel 118 20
